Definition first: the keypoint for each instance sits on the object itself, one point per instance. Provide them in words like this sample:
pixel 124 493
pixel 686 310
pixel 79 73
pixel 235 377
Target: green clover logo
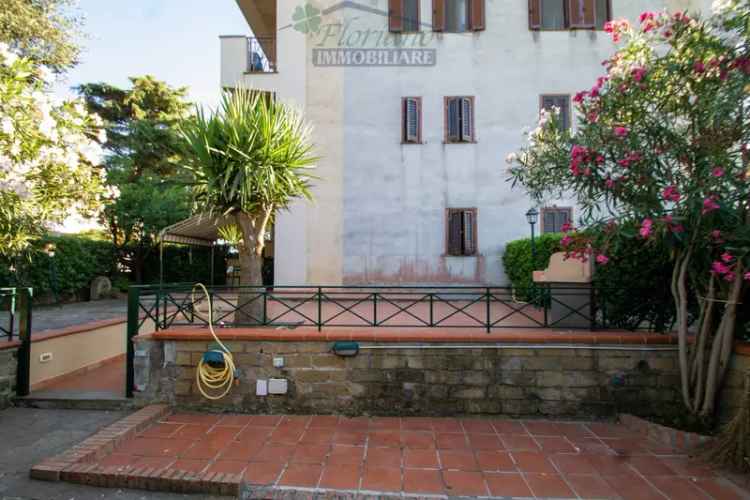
pixel 306 19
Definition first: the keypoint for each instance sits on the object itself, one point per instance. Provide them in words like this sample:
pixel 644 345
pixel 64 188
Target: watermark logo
pixel 307 19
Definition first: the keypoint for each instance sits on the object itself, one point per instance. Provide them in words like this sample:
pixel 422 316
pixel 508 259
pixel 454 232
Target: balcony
pixel 261 54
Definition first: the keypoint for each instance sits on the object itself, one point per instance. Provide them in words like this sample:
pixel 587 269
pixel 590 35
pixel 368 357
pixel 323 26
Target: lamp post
pixel 532 216
pixel 49 249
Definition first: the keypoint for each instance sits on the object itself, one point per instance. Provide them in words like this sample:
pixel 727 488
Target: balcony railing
pixel 261 54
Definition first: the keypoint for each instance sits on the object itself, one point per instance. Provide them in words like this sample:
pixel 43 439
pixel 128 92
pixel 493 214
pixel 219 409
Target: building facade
pixel 415 105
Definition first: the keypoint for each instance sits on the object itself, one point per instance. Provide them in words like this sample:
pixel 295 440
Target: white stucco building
pixel 393 169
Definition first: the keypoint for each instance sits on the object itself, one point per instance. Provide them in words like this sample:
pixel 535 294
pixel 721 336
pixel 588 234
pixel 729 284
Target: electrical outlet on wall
pixel 261 387
pixel 278 362
pixel 45 357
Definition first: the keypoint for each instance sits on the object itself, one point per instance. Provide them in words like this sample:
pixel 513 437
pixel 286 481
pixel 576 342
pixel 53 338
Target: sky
pixel 175 40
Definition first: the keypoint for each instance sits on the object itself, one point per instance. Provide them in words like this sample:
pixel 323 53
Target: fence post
pixel 432 313
pixel 375 309
pixel 132 330
pixel 489 316
pixel 546 302
pixel 23 384
pixel 592 308
pixel 320 309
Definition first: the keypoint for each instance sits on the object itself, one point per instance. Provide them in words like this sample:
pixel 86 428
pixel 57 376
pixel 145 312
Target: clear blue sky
pixel 175 40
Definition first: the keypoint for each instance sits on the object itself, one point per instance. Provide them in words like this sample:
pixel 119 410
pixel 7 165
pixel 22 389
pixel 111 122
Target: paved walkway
pixel 423 456
pixel 105 382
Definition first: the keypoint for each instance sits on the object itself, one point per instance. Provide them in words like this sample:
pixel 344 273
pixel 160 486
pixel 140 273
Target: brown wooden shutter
pixel 469 230
pixel 395 16
pixel 455 220
pixel 438 15
pixel 535 15
pixel 589 13
pixel 582 13
pixel 477 15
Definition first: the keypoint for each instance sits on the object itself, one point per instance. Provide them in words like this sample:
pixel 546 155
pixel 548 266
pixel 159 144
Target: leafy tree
pixel 42 30
pixel 143 156
pixel 663 140
pixel 249 159
pixel 49 156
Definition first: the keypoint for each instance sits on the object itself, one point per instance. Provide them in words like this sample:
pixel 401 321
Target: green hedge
pixel 519 265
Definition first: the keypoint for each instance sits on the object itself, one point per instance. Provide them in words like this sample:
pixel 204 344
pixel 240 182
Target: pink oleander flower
pixel 645 16
pixel 621 131
pixel 670 193
pixel 747 276
pixel 566 241
pixel 602 259
pixel 716 234
pixel 717 172
pixel 730 276
pixel 719 267
pixel 566 227
pixel 727 257
pixel 609 183
pixel 709 205
pixel 646 228
pixel 699 67
pixel 638 74
pixel 578 98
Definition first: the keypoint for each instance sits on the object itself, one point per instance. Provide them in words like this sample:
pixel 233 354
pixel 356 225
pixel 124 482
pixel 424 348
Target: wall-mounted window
pixel 569 14
pixel 553 218
pixel 559 101
pixel 461 231
pixel 403 16
pixel 458 16
pixel 411 120
pixel 459 119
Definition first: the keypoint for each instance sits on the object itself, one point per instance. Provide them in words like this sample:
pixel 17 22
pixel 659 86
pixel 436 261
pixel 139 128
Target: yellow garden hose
pixel 211 378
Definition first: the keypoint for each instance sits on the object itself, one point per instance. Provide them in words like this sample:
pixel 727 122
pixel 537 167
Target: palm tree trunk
pixel 250 301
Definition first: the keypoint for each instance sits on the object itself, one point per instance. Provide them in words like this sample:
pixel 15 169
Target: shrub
pixel 519 264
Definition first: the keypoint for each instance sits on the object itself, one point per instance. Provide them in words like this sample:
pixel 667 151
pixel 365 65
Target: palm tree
pixel 250 158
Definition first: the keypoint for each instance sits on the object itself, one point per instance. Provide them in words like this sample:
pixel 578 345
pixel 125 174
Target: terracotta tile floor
pixel 425 456
pixel 104 382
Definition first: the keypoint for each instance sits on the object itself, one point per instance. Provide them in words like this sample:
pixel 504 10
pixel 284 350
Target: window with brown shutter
pixel 395 16
pixel 477 15
pixel 459 119
pixel 582 13
pixel 411 120
pixel 568 14
pixel 553 218
pixel 535 15
pixel 438 15
pixel 559 101
pixel 403 16
pixel 461 231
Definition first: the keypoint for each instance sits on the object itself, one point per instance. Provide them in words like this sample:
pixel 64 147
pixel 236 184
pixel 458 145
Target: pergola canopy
pixel 198 230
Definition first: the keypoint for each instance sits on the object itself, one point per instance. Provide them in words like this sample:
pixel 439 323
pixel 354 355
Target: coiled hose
pixel 208 378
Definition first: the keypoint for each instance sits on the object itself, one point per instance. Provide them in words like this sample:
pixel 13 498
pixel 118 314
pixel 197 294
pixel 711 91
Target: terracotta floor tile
pixel 155 462
pixel 222 435
pixel 573 464
pixel 386 438
pixel 286 435
pixel 650 466
pixel 318 435
pixel 193 418
pixel 678 488
pixel 323 421
pixel 542 428
pixel 418 439
pixel 346 455
pixel 265 473
pixel 228 467
pixel 353 424
pixel 609 430
pixel 295 421
pixel 458 482
pixel 118 460
pixel 471 425
pixel 458 460
pixel 416 424
pixel 421 459
pixel 275 453
pixel 189 465
pixel 237 450
pixel 485 442
pixel 610 465
pixel 302 475
pixel 507 485
pixel 234 420
pixel 386 423
pixel 593 446
pixel 254 434
pixel 310 454
pixel 350 437
pixel 626 446
pixel 161 430
pixel 555 444
pixel 515 442
pixel 383 457
pixel 720 489
pixel 264 420
pixel 204 450
pixel 548 485
pixel 493 460
pixel 452 441
pixel 192 431
pixel 685 466
pixel 531 461
pixel 633 487
pixel 341 477
pixel 155 447
pixel 423 481
pixel 508 427
pixel 381 479
pixel 573 430
pixel 590 486
pixel 446 425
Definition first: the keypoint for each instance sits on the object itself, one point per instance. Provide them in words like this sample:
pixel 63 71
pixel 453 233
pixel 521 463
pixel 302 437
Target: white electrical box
pixel 261 387
pixel 277 386
pixel 45 357
pixel 278 362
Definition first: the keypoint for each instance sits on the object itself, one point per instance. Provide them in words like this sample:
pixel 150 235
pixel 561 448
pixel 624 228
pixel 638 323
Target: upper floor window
pixel 559 101
pixel 411 120
pixel 458 16
pixel 461 229
pixel 554 218
pixel 459 119
pixel 568 14
pixel 403 16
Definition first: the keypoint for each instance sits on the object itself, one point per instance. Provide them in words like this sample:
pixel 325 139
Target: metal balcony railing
pixel 261 54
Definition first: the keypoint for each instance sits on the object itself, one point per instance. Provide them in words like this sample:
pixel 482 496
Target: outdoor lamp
pixel 532 216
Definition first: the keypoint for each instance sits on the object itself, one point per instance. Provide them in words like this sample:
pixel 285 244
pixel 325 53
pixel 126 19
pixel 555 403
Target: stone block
pixel 182 387
pixel 468 392
pixel 290 361
pixel 387 361
pixel 519 378
pixel 366 375
pixel 505 392
pixel 542 363
pixel 475 378
pixel 442 377
pixel 183 358
pixel 550 379
pixel 483 407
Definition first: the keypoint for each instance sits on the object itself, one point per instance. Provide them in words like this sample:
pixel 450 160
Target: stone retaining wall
pixel 431 379
pixel 730 397
pixel 8 372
